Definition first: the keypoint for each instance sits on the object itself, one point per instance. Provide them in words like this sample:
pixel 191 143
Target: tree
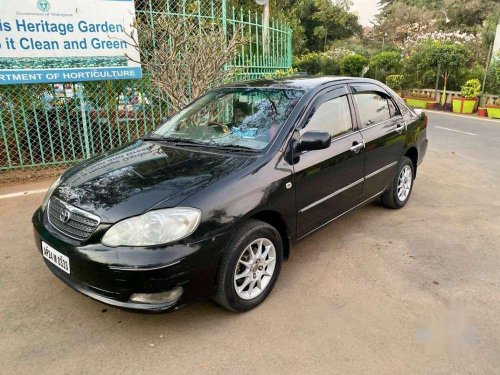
pixel 469 15
pixel 447 58
pixel 401 20
pixel 353 65
pixel 185 56
pixel 315 23
pixel 398 17
pixel 344 4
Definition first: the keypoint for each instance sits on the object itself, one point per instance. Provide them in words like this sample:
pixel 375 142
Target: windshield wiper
pixel 153 137
pixel 182 142
pixel 176 141
pixel 238 148
pixel 234 148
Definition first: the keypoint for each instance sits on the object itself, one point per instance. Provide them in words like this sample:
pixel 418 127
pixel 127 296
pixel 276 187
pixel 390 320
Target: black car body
pixel 293 190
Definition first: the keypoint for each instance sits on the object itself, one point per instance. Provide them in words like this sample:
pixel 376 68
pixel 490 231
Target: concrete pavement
pixel 378 291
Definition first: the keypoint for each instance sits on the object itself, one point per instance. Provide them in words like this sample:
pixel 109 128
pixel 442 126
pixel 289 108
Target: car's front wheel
pixel 249 267
pixel 399 192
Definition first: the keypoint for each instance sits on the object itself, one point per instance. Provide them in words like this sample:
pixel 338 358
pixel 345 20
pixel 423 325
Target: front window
pixel 332 116
pixel 248 118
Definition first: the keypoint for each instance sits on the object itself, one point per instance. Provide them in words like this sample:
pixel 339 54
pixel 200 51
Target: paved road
pixel 379 291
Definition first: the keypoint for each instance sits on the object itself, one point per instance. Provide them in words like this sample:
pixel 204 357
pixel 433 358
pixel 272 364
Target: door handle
pixel 356 147
pixel 399 128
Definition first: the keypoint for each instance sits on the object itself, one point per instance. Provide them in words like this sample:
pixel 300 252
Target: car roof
pixel 298 83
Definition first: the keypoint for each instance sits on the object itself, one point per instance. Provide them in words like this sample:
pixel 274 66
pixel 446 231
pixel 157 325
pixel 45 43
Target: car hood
pixel 141 176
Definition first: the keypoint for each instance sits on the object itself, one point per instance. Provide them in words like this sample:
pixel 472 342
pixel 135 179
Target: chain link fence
pixel 48 126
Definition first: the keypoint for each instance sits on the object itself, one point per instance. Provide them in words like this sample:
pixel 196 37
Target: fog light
pixel 158 298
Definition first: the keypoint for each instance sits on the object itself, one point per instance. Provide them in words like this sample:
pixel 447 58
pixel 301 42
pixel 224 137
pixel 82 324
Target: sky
pixel 366 10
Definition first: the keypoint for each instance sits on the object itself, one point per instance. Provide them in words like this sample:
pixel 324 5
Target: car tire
pixel 240 273
pixel 399 192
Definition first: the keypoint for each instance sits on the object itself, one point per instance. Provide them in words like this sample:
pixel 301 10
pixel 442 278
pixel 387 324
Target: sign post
pixel 57 41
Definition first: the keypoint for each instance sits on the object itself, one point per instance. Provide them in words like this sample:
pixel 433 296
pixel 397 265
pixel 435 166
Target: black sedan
pixel 212 202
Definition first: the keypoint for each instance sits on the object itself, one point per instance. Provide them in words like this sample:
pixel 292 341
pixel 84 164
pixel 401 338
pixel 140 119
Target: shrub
pixel 395 81
pixel 316 63
pixel 471 89
pixel 387 61
pixel 464 74
pixel 493 77
pixel 353 65
pixel 282 73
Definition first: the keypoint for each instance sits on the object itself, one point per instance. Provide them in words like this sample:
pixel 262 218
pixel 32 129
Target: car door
pixel 328 182
pixel 383 130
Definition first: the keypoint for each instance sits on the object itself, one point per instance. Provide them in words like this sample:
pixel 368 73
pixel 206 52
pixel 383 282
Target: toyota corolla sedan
pixel 212 202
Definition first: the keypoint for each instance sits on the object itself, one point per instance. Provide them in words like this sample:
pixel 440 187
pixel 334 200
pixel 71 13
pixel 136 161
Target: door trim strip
pixel 380 170
pixel 331 195
pixel 314 204
pixel 342 214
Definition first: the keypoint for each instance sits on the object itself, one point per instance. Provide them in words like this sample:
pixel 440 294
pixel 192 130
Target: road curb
pixel 472 117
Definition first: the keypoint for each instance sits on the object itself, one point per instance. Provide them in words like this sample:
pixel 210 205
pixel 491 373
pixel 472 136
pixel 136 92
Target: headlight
pixel 50 191
pixel 153 228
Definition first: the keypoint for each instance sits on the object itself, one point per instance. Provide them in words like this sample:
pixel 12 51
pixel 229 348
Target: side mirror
pixel 314 141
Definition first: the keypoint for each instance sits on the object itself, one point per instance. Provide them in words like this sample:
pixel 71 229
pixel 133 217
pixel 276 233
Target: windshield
pixel 237 117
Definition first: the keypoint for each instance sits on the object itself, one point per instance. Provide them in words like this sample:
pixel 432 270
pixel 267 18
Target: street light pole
pixel 447 19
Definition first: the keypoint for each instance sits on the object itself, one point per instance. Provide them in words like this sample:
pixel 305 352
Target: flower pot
pixel 482 112
pixel 418 102
pixel 464 105
pixel 493 111
pixel 432 105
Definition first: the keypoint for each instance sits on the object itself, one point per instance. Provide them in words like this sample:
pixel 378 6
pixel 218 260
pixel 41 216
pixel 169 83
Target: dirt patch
pixel 29 175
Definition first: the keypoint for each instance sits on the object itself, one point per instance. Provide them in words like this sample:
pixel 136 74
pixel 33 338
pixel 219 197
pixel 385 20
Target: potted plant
pixel 469 92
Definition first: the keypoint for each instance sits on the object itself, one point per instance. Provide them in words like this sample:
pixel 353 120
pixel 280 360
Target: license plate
pixel 55 257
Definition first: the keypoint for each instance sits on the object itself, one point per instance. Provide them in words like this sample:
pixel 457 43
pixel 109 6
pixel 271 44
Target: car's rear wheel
pixel 399 192
pixel 249 267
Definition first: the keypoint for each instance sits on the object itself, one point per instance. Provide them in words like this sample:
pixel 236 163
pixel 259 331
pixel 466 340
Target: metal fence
pixel 45 125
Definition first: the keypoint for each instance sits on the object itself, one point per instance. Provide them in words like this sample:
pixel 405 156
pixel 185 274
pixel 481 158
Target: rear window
pixel 373 108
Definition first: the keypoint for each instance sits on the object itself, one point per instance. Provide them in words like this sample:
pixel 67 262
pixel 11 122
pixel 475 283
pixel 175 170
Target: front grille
pixel 79 225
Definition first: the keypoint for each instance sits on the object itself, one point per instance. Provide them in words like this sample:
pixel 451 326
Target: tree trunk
pixel 437 81
pixel 446 75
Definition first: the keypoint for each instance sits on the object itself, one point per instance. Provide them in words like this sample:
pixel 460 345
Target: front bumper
pixel 112 275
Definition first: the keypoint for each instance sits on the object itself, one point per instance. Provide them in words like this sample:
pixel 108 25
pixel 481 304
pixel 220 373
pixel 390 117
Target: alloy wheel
pixel 255 268
pixel 404 183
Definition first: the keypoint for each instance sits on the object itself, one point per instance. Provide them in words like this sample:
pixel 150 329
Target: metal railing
pixel 44 125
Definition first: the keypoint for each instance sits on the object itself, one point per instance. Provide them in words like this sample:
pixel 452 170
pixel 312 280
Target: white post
pixel 265 32
pixel 84 124
pixel 266 28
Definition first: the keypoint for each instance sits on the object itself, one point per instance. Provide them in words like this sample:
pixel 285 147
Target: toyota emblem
pixel 64 216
